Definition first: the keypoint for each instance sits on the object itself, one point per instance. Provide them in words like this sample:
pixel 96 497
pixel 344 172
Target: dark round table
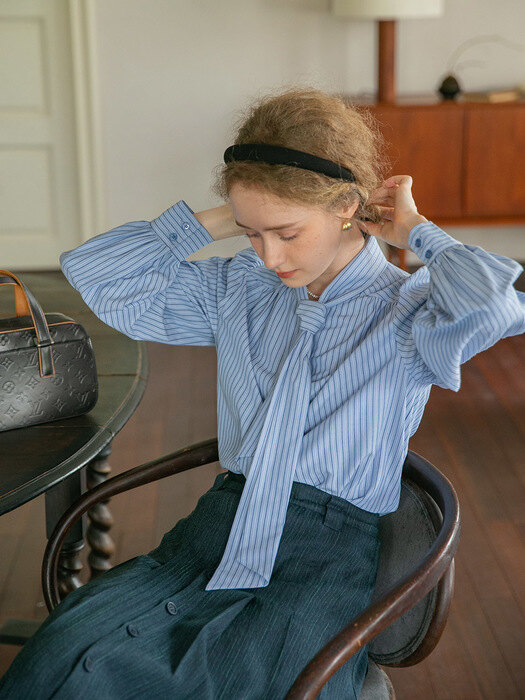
pixel 64 457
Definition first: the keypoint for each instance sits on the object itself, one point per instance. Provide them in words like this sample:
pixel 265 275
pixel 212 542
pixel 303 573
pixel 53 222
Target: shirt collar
pixel 353 279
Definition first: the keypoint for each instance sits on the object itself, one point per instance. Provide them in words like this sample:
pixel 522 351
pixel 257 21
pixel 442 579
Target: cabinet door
pixel 426 142
pixel 495 147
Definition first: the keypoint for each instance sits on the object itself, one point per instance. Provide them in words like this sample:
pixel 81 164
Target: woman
pixel 326 356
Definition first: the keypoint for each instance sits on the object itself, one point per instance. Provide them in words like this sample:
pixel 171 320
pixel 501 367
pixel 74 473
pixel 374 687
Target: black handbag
pixel 47 364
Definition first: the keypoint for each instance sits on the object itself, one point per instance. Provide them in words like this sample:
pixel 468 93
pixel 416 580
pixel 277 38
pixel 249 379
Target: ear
pixel 350 211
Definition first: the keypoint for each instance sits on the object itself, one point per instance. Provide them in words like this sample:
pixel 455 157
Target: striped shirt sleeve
pixel 462 301
pixel 135 278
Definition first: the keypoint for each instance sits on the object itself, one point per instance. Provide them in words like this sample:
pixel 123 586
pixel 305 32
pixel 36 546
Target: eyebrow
pixel 275 228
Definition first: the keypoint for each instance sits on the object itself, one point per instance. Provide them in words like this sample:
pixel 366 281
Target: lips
pixel 287 274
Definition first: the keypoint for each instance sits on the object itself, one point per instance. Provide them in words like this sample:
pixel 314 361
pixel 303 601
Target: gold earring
pixel 347 225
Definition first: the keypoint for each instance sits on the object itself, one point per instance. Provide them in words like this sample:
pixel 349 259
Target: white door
pixel 39 193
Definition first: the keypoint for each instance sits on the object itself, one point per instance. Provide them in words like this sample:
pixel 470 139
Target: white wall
pixel 175 73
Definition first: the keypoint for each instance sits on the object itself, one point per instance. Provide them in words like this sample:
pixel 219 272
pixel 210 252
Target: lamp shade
pixel 387 9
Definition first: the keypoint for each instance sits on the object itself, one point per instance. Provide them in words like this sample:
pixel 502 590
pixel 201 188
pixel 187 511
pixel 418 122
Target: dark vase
pixel 449 88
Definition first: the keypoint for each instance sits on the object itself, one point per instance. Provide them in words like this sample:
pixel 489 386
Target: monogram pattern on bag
pixel 26 398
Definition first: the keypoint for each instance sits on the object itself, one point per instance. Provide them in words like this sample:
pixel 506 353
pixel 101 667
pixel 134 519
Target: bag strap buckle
pixel 44 343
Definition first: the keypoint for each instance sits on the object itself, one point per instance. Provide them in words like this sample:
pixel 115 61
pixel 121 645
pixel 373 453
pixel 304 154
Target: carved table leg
pixel 58 500
pixel 101 520
pixel 69 566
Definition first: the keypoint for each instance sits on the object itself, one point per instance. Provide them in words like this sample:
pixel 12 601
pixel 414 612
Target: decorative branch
pixel 481 39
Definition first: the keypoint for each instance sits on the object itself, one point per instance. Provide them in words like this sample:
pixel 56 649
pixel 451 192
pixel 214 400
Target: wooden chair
pixel 414 585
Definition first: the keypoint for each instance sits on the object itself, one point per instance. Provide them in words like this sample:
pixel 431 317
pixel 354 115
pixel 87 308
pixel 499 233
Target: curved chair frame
pixel 435 569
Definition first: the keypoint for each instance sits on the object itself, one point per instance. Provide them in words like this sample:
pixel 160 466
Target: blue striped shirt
pixel 326 393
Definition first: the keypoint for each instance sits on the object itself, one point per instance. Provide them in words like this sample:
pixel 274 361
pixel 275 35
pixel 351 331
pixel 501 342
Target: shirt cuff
pixel 180 230
pixel 427 241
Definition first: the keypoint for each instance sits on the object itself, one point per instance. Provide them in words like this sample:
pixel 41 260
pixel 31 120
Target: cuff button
pixel 428 254
pixel 417 242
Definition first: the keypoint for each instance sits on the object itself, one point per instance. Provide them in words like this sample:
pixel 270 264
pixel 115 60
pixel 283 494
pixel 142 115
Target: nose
pixel 273 255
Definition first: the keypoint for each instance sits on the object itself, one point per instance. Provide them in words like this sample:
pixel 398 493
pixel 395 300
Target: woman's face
pixel 291 237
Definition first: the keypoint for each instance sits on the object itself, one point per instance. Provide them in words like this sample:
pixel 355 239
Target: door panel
pixel 38 168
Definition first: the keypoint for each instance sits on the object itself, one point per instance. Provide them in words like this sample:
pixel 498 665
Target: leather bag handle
pixel 27 305
pixel 21 303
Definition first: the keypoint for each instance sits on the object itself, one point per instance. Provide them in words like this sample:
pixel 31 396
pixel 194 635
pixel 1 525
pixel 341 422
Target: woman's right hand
pixel 219 222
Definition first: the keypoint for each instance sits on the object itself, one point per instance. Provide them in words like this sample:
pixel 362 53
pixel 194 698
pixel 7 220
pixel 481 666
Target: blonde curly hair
pixel 310 120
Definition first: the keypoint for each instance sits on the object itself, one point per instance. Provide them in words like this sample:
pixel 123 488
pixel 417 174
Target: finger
pixel 384 195
pixel 399 180
pixel 375 229
pixel 385 210
pixel 385 187
pixel 383 191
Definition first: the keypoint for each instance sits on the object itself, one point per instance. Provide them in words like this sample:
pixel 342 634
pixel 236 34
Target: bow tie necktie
pixel 250 552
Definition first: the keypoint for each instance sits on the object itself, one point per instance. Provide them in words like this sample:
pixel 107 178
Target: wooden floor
pixel 476 437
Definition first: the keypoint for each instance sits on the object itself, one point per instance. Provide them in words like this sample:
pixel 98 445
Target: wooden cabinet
pixel 494 152
pixel 465 158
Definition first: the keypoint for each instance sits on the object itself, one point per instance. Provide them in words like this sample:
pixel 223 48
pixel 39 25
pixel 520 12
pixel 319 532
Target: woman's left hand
pixel 399 210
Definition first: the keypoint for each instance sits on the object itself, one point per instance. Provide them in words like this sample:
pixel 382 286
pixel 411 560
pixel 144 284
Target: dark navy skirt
pixel 148 629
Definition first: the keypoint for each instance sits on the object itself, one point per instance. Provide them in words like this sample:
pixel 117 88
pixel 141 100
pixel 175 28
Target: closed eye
pixel 288 238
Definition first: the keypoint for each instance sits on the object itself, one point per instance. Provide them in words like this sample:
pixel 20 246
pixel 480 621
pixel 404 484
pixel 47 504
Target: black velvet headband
pixel 279 155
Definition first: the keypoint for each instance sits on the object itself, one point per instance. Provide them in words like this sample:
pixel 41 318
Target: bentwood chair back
pixel 418 541
pixel 415 578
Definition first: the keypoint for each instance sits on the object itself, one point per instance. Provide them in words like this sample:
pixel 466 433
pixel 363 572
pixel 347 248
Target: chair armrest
pixel 195 455
pixel 445 590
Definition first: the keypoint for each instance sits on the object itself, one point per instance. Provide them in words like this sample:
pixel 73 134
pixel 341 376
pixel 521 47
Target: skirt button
pixel 89 663
pixel 171 608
